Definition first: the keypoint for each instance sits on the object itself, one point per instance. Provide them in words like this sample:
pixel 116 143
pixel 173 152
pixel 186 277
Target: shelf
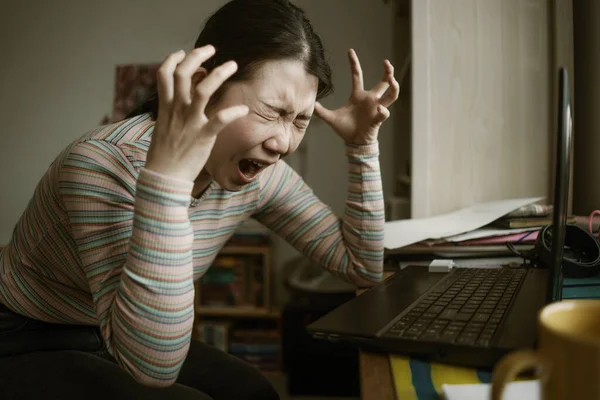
pixel 241 312
pixel 244 249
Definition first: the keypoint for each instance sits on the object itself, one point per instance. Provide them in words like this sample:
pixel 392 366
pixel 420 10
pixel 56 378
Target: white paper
pixel 522 390
pixel 487 232
pixel 405 232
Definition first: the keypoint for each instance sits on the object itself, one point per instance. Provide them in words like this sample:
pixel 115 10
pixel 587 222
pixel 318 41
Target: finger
pixel 382 114
pixel 385 82
pixel 357 74
pixel 223 118
pixel 185 70
pixel 209 85
pixel 391 95
pixel 325 114
pixel 164 83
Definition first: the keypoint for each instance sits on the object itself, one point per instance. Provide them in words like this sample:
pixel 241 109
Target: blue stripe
pixel 421 380
pixel 485 376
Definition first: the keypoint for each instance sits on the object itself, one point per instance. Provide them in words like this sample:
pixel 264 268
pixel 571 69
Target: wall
pixel 481 94
pixel 57 79
pixel 58 73
pixel 586 190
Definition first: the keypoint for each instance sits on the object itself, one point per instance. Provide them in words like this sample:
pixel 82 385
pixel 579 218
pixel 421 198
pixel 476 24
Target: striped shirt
pixel 106 242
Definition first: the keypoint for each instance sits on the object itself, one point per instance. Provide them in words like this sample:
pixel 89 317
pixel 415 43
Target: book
pixel 527 222
pixel 234 280
pixel 213 333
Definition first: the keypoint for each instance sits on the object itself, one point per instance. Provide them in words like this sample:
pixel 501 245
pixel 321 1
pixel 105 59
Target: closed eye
pixel 265 117
pixel 301 124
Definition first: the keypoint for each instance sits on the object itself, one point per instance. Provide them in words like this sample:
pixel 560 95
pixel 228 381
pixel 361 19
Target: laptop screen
pixel 561 186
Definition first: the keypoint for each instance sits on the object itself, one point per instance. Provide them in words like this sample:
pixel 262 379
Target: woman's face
pixel 281 97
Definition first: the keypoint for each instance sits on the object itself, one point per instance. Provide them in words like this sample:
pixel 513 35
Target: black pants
pixel 207 373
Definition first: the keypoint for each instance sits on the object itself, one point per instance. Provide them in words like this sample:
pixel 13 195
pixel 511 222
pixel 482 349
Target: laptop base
pixel 368 320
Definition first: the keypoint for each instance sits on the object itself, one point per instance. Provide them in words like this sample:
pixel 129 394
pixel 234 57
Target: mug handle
pixel 514 363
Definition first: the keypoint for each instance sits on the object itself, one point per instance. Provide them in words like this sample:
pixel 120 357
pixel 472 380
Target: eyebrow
pixel 284 112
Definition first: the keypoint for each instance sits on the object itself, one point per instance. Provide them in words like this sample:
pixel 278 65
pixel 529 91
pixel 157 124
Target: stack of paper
pixel 463 231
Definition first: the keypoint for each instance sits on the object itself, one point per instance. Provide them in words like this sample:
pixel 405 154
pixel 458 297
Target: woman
pixel 96 285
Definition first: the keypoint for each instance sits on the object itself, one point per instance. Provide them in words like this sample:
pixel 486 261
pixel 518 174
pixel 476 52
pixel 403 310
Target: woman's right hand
pixel 184 136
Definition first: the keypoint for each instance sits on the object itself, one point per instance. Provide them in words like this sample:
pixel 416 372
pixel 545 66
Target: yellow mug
pixel 567 358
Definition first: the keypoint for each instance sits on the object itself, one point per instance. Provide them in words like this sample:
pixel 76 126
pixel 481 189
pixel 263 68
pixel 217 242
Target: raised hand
pixel 358 121
pixel 184 136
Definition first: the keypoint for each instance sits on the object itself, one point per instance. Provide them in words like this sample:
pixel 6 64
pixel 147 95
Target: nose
pixel 280 141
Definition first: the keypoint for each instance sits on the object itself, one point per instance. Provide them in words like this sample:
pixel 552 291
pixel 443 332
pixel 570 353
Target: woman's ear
pixel 197 78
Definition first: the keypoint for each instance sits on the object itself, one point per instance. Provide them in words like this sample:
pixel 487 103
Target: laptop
pixel 468 316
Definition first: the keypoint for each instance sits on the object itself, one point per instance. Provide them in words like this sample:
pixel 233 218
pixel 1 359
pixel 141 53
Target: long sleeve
pixel 350 247
pixel 134 240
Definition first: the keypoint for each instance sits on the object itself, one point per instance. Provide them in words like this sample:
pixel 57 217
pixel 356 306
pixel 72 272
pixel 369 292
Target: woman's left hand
pixel 358 121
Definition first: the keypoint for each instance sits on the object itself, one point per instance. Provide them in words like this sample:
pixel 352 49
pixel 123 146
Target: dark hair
pixel 251 32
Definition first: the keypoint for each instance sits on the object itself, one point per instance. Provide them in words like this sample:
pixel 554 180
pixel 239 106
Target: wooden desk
pixel 376 377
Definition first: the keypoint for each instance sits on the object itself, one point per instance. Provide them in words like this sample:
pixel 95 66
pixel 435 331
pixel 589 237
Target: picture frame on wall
pixel 133 84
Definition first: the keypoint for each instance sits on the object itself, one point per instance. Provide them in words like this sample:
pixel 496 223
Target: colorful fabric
pixel 106 242
pixel 419 380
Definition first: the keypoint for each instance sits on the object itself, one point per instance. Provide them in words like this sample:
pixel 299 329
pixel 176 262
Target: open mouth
pixel 250 168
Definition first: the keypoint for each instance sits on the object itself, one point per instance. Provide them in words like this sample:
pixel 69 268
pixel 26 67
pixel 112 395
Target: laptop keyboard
pixel 466 310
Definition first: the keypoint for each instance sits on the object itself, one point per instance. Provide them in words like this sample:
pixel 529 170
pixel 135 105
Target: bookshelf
pixel 235 312
pixel 233 303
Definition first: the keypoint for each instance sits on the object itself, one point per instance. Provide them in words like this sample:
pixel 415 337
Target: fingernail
pixel 230 66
